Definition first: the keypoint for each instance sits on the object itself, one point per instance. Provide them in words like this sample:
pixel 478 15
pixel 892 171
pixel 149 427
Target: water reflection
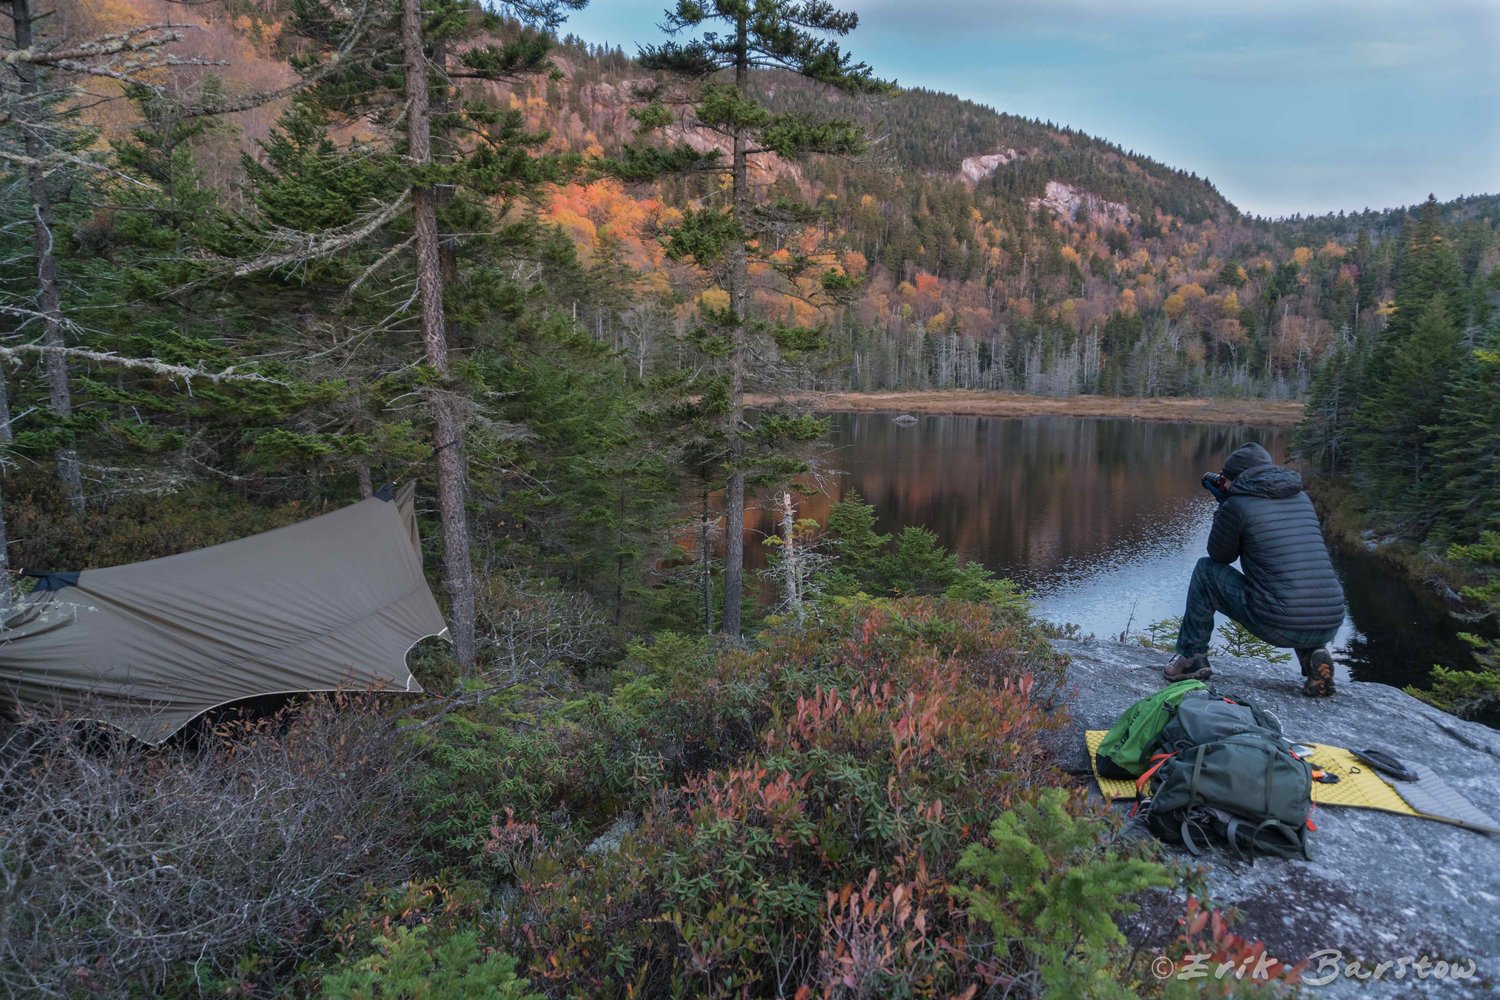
pixel 1102 519
pixel 1394 634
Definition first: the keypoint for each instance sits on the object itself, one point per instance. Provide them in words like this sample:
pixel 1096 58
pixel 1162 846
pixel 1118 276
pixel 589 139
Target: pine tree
pixel 1466 446
pixel 1408 373
pixel 1403 401
pixel 738 36
pixel 464 164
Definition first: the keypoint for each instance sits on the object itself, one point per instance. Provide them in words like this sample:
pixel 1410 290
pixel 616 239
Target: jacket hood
pixel 1245 458
pixel 1274 481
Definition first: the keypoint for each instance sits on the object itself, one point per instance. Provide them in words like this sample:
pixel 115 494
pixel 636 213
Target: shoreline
pixel 981 403
pixel 1422 569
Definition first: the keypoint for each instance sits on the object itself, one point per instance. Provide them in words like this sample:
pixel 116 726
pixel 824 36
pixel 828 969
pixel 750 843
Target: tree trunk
pixel 792 567
pixel 7 594
pixel 739 280
pixel 447 416
pixel 447 242
pixel 705 560
pixel 620 550
pixel 6 434
pixel 49 286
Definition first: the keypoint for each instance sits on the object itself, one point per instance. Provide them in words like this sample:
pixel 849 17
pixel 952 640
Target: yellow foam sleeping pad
pixel 1358 785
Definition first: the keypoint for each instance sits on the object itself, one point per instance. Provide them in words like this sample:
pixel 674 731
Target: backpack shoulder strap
pixel 1190 820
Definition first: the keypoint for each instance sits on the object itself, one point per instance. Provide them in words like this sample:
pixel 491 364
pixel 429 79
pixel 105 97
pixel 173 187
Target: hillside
pixel 1005 253
pixel 997 252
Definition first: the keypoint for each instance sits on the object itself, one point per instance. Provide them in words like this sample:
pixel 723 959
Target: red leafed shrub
pixel 819 859
pixel 875 938
pixel 1215 961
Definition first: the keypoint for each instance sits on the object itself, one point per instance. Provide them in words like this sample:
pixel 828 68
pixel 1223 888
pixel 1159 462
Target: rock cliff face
pixel 1066 201
pixel 976 168
pixel 1381 887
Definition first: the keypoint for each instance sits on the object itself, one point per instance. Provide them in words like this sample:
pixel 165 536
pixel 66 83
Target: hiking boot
pixel 1317 671
pixel 1187 668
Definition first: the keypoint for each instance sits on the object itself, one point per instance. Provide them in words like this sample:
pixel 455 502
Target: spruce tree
pixel 1408 373
pixel 1466 446
pixel 65 176
pixel 725 41
pixel 1403 402
pixel 46 137
pixel 459 164
pixel 1368 281
pixel 1322 435
pixel 855 546
pixel 1428 267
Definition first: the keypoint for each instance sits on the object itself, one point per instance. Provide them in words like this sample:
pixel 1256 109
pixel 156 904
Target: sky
pixel 1287 106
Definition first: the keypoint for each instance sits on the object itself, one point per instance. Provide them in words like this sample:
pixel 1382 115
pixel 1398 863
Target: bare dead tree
pixel 30 112
pixel 7 592
pixel 185 372
pixel 527 627
pixel 795 561
pixel 789 557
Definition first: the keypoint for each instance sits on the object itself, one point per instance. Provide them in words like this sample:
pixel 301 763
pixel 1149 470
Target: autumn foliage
pixel 821 856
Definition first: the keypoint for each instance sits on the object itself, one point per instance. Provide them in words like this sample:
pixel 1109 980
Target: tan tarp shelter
pixel 333 602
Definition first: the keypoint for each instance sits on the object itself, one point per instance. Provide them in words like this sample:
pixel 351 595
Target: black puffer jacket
pixel 1268 523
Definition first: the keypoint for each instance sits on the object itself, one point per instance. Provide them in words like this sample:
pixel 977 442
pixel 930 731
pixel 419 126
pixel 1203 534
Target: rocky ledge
pixel 1381 887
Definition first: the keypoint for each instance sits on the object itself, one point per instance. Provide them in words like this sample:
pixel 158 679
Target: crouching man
pixel 1288 594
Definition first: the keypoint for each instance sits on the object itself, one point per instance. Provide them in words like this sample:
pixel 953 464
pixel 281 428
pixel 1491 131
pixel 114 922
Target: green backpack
pixel 1208 717
pixel 1246 790
pixel 1127 746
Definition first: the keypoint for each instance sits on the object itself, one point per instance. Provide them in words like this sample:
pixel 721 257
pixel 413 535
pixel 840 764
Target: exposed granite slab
pixel 1381 886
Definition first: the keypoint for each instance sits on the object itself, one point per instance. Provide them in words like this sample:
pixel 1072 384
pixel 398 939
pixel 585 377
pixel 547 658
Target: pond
pixel 1102 519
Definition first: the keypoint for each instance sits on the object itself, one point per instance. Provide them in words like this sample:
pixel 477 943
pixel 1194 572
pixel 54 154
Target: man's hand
pixel 1217 485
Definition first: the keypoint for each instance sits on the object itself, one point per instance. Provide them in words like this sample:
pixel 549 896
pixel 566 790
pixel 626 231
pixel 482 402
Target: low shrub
pixel 570 766
pixel 821 855
pixel 1209 960
pixel 141 521
pixel 124 867
pixel 411 964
